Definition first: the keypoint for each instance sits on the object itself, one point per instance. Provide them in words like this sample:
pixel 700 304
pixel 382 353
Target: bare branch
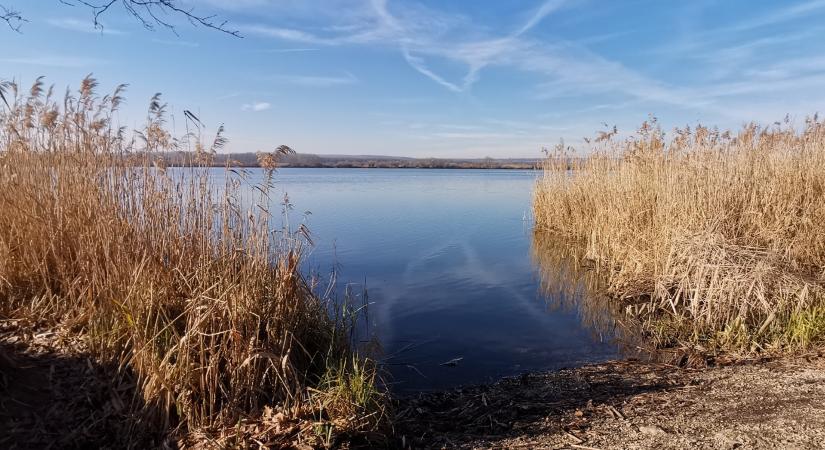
pixel 152 13
pixel 12 18
pixel 149 13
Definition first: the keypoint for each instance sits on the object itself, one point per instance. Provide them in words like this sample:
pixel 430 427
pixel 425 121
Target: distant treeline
pixel 308 160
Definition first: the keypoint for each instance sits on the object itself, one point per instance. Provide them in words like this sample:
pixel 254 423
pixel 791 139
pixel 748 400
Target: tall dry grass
pixel 192 287
pixel 712 240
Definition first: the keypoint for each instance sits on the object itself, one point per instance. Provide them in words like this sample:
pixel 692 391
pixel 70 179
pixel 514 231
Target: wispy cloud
pixel 512 124
pixel 82 26
pixel 782 14
pixel 256 106
pixel 603 37
pixel 228 96
pixel 176 42
pixel 288 34
pixel 285 50
pixel 743 71
pixel 456 126
pixel 316 81
pixel 543 11
pixel 468 135
pixel 430 40
pixel 419 65
pixel 422 34
pixel 415 34
pixel 57 61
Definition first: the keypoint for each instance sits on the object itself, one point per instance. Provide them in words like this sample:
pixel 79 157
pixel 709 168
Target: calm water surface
pixel 445 256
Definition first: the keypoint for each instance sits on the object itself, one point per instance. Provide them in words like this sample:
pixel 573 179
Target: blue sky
pixel 441 79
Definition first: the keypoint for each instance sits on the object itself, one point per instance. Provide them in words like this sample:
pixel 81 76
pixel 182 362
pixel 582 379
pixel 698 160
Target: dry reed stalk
pixel 714 241
pixel 182 278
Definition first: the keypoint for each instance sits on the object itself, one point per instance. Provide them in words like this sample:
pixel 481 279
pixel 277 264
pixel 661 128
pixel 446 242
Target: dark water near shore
pixel 446 258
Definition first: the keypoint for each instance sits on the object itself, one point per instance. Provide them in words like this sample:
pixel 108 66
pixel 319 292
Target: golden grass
pixel 194 288
pixel 713 241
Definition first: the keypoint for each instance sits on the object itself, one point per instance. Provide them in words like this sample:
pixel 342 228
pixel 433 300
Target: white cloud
pixel 256 106
pixel 82 26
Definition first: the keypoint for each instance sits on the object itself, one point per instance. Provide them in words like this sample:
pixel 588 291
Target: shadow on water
pixel 51 399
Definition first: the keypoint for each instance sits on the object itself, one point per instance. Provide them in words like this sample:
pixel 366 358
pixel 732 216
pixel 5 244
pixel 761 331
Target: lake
pixel 445 256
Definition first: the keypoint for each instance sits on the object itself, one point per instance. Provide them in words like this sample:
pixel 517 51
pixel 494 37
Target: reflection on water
pixel 445 255
pixel 569 283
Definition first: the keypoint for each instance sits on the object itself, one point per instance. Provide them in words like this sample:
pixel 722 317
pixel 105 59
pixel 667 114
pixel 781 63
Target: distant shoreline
pixel 536 169
pixel 311 161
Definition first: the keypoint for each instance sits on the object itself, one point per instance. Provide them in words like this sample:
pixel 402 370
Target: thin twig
pixel 12 18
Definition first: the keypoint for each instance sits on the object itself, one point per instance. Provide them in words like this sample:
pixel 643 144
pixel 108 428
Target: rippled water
pixel 446 258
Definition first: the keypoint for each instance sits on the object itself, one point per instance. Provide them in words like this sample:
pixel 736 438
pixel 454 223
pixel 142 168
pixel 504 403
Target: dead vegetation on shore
pixel 712 241
pixel 180 283
pixel 55 394
pixel 629 404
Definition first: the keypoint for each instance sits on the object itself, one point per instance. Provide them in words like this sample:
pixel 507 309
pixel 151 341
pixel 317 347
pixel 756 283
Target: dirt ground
pixel 768 404
pixel 53 395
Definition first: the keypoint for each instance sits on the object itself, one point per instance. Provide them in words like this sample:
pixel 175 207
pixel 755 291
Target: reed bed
pixel 194 289
pixel 713 241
